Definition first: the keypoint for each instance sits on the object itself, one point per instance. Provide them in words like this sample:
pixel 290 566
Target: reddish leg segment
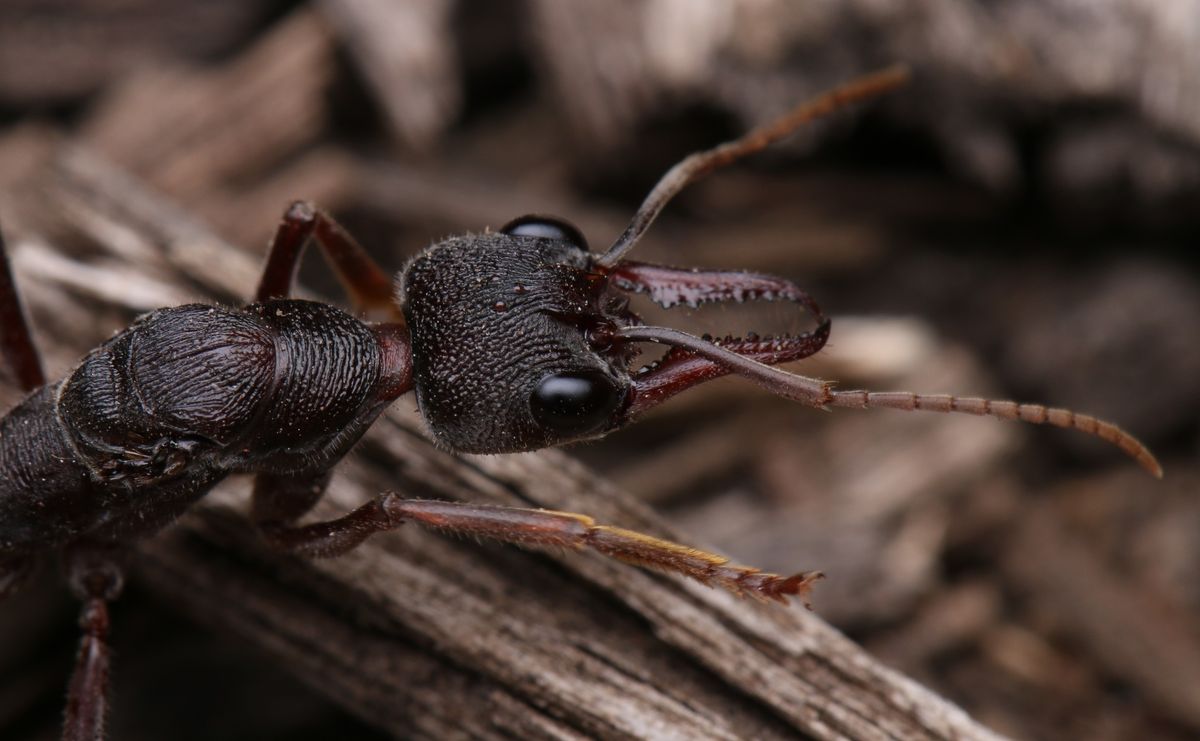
pixel 16 341
pixel 87 694
pixel 537 528
pixel 96 579
pixel 369 287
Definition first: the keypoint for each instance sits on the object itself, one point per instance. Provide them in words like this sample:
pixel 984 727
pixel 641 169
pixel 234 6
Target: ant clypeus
pixel 513 340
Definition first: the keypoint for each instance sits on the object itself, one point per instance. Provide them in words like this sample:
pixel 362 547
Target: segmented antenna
pixel 799 388
pixel 1033 413
pixel 818 393
pixel 697 165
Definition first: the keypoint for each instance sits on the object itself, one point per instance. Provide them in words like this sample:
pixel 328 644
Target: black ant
pixel 513 340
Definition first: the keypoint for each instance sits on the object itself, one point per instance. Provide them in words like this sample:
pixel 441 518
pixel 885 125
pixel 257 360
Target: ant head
pixel 500 339
pixel 521 338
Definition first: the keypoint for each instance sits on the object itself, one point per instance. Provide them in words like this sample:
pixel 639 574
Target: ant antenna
pixel 818 393
pixel 799 388
pixel 695 166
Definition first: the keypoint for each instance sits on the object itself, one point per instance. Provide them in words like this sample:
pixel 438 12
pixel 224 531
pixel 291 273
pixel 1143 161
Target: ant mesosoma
pixel 513 340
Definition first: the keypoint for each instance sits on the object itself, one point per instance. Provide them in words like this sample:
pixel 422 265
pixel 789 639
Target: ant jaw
pixel 682 368
pixel 694 360
pixel 670 287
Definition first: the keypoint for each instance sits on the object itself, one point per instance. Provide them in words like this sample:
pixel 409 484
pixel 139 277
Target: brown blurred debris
pixel 984 71
pixel 1136 635
pixel 1133 324
pixel 51 50
pixel 190 131
pixel 402 51
pixel 953 619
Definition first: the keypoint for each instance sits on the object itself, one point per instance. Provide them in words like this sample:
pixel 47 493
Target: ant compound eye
pixel 574 403
pixel 545 227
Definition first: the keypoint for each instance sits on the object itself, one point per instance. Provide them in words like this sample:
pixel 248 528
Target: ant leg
pixel 369 287
pixel 16 341
pixel 537 528
pixel 96 578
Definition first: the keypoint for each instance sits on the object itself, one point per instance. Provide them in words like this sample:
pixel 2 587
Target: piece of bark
pixel 410 629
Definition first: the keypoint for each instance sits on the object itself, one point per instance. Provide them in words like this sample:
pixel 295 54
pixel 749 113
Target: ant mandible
pixel 513 340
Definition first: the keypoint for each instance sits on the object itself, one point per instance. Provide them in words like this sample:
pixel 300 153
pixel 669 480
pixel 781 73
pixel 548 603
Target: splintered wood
pixel 1036 578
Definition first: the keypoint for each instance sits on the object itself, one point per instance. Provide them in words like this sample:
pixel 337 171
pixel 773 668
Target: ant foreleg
pixel 538 528
pixel 369 286
pixel 96 579
pixel 16 340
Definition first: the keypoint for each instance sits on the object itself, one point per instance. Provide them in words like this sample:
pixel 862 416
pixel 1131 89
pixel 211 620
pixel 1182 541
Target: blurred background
pixel 1021 222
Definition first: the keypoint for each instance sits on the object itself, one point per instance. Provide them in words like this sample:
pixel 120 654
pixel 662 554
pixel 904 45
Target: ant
pixel 512 340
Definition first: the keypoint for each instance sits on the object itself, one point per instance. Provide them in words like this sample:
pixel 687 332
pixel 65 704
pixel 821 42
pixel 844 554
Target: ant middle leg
pixel 537 528
pixel 96 577
pixel 16 339
pixel 370 288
